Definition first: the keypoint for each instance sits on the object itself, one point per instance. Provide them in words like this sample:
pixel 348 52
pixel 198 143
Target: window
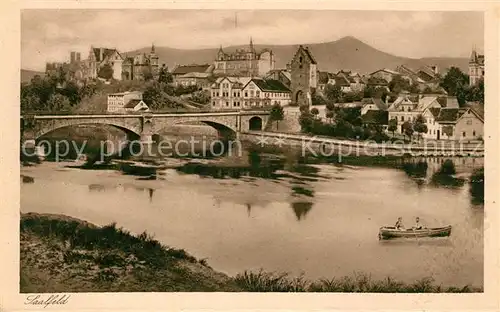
pixel 257 93
pixel 251 93
pixel 246 93
pixel 469 121
pixel 464 134
pixel 474 133
pixel 402 118
pixel 227 103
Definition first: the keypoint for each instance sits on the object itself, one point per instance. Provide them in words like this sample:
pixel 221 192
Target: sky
pixel 49 35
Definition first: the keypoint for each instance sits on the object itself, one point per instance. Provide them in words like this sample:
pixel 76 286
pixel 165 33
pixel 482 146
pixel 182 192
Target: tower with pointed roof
pixel 303 77
pixel 476 67
pixel 153 61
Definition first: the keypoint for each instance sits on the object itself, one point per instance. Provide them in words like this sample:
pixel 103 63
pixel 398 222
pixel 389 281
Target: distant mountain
pixel 27 75
pixel 347 53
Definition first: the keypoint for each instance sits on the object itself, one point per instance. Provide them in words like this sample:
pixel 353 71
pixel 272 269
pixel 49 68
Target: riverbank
pixel 64 254
pixel 328 146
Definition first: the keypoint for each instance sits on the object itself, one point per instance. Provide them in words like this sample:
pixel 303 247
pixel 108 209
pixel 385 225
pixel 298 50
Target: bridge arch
pixel 255 123
pixel 45 127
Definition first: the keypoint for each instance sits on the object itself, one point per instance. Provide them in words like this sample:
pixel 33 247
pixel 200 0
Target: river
pixel 317 219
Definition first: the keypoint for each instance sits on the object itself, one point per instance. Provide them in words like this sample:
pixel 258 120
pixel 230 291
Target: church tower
pixel 153 59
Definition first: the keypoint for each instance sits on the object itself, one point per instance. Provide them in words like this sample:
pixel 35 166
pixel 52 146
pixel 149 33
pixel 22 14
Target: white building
pixel 118 101
pixel 246 92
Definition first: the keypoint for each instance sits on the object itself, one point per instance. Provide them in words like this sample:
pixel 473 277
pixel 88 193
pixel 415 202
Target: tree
pixel 420 125
pixel 330 106
pixel 58 102
pixel 164 75
pixel 333 93
pixel 393 125
pixel 315 112
pixel 30 103
pixel 306 120
pixel 105 72
pixel 456 83
pixel 277 113
pixel 398 84
pixel 147 74
pixel 329 115
pixel 408 129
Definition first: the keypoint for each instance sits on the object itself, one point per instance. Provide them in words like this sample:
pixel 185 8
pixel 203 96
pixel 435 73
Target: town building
pixel 283 75
pixel 246 62
pixel 424 76
pixel 304 77
pixel 246 92
pixel 385 74
pixel 453 124
pixel 140 66
pixel 189 75
pixel 408 107
pixel 123 101
pixel 476 67
pixel 98 58
pixel 372 104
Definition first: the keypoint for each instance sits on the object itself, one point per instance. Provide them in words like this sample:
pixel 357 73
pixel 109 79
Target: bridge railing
pixel 167 111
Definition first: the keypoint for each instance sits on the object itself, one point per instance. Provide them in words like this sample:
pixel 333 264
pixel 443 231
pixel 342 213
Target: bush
pixel 447 168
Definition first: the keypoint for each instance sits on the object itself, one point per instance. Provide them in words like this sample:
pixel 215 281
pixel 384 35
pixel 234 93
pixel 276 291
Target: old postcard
pixel 250 156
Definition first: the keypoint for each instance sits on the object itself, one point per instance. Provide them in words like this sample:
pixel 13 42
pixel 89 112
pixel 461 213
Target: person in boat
pixel 418 225
pixel 399 224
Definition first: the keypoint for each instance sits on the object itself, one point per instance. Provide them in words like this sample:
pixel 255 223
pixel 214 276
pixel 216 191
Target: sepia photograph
pixel 251 151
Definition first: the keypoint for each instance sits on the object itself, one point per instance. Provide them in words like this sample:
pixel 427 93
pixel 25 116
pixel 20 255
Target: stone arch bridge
pixel 143 126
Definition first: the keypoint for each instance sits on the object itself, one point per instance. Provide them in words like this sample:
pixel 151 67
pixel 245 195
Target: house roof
pixel 478 108
pixel 450 115
pixel 435 111
pixel 125 93
pixel 195 75
pixel 194 68
pixel 379 117
pixel 390 71
pixel 378 102
pixel 307 53
pixel 271 85
pixel 132 103
pixel 105 53
pixel 424 103
pixel 341 81
pixel 377 81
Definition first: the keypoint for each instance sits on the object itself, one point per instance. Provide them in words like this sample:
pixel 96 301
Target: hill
pixel 347 53
pixel 27 75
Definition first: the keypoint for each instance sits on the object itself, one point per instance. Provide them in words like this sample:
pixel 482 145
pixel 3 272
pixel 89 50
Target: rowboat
pixel 389 232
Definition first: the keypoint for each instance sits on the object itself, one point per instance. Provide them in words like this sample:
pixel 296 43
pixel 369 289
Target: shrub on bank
pixel 86 236
pixel 281 282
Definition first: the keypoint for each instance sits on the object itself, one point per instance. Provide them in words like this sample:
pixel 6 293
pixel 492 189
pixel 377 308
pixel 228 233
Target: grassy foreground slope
pixel 64 254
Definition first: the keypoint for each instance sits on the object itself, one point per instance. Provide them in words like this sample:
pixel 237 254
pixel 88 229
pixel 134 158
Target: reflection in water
pixel 299 190
pixel 416 170
pixel 96 188
pixel 476 188
pixel 27 179
pixel 311 242
pixel 151 192
pixel 301 209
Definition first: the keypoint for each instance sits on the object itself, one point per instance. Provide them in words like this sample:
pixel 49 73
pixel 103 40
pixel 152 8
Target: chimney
pixel 78 59
pixel 288 67
pixel 72 58
pixel 101 54
pixel 387 100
